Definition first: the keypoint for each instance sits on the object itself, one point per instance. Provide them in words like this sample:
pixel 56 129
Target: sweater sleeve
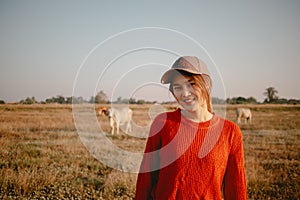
pixel 149 169
pixel 235 186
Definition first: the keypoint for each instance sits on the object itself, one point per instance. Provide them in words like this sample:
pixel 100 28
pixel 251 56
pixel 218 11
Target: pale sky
pixel 45 45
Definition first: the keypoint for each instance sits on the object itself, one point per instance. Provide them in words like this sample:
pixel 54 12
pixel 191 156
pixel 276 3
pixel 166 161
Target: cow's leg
pixel 128 128
pixel 112 130
pixel 118 128
pixel 112 126
pixel 239 120
pixel 249 120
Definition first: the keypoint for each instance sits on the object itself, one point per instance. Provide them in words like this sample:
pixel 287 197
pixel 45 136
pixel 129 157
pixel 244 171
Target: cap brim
pixel 168 75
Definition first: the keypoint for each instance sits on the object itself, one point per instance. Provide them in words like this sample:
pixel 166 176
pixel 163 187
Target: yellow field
pixel 42 155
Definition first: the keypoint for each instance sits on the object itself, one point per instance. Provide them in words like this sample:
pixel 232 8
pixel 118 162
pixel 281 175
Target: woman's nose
pixel 186 92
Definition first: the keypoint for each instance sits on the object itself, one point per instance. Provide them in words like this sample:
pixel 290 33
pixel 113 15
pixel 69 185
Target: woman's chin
pixel 190 106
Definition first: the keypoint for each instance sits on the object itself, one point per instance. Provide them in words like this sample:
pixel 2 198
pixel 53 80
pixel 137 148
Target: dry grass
pixel 43 157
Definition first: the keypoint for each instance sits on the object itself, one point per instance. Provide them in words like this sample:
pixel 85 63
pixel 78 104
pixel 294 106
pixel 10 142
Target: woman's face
pixel 186 93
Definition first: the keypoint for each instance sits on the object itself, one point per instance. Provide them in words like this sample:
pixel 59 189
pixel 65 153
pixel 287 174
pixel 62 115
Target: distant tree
pixel 251 100
pixel 293 101
pixel 60 99
pixel 216 100
pixel 236 100
pixel 270 92
pixel 2 102
pixel 119 100
pixel 132 101
pixel 28 100
pixel 74 100
pixel 140 101
pixel 92 99
pixel 241 100
pixel 281 101
pixel 80 100
pixel 101 97
pixel 50 100
pixel 229 101
pixel 70 100
pixel 125 101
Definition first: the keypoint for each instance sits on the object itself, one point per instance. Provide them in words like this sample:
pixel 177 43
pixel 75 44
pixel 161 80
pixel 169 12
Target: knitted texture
pixel 188 160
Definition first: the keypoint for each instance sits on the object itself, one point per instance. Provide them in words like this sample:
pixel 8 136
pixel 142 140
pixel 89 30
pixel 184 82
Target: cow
pixel 118 117
pixel 243 113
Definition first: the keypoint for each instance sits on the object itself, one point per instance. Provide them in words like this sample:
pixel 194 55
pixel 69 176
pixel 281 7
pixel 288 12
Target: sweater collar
pixel 205 124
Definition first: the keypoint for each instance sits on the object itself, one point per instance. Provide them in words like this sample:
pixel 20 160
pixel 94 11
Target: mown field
pixel 42 156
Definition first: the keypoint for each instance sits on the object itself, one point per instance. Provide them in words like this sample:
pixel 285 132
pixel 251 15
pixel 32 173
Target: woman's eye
pixel 176 88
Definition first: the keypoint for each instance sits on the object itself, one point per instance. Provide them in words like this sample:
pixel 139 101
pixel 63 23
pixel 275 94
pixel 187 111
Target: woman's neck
pixel 200 115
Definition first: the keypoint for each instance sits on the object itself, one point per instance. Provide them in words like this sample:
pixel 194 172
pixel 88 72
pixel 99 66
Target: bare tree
pixel 271 95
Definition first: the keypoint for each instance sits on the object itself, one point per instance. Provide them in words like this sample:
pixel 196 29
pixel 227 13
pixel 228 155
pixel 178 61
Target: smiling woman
pixel 192 92
pixel 192 153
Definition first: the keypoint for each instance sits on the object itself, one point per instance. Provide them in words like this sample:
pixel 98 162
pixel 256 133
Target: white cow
pixel 120 116
pixel 243 113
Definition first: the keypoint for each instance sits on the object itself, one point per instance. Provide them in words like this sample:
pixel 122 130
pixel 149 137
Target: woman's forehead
pixel 181 79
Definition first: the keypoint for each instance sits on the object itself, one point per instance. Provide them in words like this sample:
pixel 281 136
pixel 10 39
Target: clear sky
pixel 44 46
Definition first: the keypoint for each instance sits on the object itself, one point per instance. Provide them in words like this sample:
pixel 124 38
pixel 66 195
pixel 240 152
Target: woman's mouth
pixel 188 101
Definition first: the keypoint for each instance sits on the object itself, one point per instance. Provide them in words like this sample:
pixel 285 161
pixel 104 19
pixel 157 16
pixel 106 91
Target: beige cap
pixel 190 64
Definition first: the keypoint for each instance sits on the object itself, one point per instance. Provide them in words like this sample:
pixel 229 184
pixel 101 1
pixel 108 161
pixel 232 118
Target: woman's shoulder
pixel 167 118
pixel 168 115
pixel 164 121
pixel 228 124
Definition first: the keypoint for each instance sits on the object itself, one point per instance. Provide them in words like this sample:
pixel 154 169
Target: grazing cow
pixel 243 113
pixel 120 116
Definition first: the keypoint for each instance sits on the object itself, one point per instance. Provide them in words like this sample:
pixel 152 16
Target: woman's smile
pixel 184 92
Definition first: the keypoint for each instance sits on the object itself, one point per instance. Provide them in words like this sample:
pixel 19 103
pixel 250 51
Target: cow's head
pixel 103 111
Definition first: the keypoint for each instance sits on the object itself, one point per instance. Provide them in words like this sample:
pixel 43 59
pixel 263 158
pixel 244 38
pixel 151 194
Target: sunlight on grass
pixel 42 155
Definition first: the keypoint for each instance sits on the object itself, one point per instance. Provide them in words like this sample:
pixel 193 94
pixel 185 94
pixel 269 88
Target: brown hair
pixel 202 82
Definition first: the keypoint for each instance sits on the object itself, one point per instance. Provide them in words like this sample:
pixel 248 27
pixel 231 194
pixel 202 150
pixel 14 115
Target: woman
pixel 192 153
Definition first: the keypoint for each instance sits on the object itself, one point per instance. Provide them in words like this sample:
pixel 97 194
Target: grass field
pixel 42 156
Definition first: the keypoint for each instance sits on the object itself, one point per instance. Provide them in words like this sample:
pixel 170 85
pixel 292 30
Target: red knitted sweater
pixel 188 160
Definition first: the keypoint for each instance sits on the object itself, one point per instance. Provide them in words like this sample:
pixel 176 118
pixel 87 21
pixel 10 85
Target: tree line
pixel 270 93
pixel 271 98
